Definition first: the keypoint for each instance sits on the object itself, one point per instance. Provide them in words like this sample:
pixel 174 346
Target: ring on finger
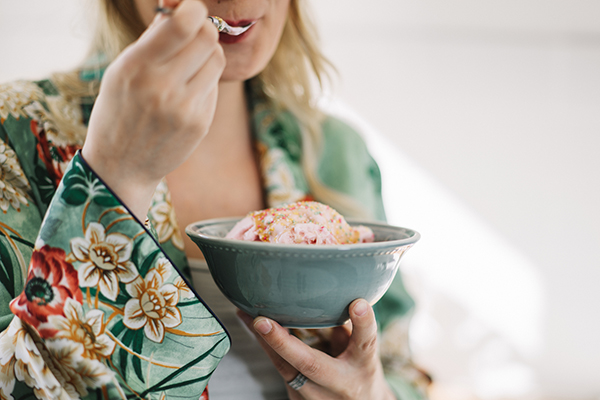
pixel 298 381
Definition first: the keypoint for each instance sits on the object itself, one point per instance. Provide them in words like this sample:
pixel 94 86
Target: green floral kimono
pixel 95 304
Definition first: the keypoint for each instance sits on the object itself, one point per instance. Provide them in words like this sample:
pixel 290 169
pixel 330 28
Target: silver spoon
pixel 224 27
pixel 218 22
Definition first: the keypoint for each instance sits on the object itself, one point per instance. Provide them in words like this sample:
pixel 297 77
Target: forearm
pixel 135 192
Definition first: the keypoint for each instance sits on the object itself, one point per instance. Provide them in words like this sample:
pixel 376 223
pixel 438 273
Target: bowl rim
pixel 193 228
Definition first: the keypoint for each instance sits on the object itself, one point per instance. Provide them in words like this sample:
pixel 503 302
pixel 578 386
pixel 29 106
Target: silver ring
pixel 298 381
pixel 164 10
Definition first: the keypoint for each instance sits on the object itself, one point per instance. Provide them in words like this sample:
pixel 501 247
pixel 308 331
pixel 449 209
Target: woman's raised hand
pixel 156 103
pixel 356 373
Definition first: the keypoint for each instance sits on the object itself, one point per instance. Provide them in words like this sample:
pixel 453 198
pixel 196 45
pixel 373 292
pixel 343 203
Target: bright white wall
pixel 37 37
pixel 484 117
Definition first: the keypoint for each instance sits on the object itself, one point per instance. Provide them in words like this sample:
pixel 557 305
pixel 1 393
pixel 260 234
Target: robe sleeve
pixel 90 305
pixel 347 166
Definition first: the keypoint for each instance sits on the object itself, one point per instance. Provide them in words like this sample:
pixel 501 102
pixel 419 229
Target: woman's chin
pixel 237 75
pixel 241 68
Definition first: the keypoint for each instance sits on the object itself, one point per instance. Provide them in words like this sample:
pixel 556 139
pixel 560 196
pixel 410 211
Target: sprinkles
pixel 305 222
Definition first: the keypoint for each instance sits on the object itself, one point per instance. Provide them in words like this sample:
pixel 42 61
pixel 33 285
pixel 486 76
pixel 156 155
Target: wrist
pixel 388 392
pixel 135 193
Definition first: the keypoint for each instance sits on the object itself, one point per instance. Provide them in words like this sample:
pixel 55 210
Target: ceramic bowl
pixel 301 286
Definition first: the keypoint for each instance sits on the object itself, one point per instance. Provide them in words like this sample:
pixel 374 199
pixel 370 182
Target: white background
pixel 484 116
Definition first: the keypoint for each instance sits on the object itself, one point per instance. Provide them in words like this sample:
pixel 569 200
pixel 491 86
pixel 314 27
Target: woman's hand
pixel 356 373
pixel 156 103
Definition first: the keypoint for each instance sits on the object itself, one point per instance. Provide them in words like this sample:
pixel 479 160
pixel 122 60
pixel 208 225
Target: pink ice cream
pixel 305 222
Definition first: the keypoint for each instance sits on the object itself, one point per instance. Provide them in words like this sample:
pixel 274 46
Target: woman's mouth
pixel 230 39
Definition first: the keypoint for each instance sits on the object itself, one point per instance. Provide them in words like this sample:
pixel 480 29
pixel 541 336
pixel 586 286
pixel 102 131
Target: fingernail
pixel 263 326
pixel 360 308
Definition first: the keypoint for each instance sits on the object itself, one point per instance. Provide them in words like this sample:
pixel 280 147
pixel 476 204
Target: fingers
pixel 192 57
pixel 283 367
pixel 205 83
pixel 356 369
pixel 362 346
pixel 315 365
pixel 289 355
pixel 169 36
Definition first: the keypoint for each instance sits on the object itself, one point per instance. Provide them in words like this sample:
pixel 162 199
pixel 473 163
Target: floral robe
pixel 95 304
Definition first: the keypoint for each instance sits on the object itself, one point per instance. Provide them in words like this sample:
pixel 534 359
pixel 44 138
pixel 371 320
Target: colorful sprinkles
pixel 272 222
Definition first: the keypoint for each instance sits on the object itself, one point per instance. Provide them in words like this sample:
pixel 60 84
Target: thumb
pixel 363 341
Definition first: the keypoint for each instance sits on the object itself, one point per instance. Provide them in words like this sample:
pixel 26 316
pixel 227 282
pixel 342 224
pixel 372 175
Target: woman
pixel 186 122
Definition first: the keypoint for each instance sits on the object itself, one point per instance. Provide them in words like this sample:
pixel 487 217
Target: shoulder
pixel 16 96
pixel 36 113
pixel 339 132
pixel 27 105
pixel 347 166
pixel 44 128
pixel 344 145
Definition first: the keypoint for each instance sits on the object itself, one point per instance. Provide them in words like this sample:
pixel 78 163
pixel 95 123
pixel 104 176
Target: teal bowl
pixel 301 286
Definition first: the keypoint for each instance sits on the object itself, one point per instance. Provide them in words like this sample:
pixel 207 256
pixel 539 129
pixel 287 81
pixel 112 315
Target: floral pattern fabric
pixel 163 217
pixel 99 310
pixel 14 187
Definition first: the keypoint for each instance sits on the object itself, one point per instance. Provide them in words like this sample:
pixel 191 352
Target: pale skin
pixel 173 105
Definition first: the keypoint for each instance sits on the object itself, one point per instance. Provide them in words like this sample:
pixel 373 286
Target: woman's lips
pixel 230 39
pixel 242 22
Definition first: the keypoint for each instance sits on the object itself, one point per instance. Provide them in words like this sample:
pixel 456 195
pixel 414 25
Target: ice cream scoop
pixel 305 222
pixel 218 22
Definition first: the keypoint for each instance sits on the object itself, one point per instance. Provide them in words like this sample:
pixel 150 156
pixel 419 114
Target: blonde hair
pixel 287 82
